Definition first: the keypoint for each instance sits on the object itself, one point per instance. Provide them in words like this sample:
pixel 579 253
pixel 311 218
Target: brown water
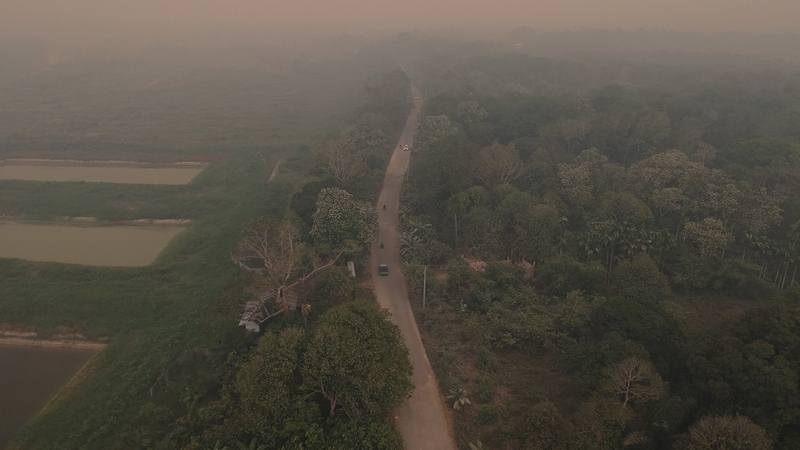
pixel 29 377
pixel 126 246
pixel 102 174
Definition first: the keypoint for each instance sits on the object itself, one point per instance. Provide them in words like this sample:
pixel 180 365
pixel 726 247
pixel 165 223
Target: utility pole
pixel 424 283
pixel 455 222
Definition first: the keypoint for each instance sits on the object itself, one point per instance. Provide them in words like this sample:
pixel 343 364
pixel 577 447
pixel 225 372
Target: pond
pixel 29 377
pixel 130 173
pixel 95 245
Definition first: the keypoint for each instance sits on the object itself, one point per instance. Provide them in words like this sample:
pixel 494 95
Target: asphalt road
pixel 423 419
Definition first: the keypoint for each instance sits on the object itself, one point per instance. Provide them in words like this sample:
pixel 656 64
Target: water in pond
pixel 126 246
pixel 101 174
pixel 29 377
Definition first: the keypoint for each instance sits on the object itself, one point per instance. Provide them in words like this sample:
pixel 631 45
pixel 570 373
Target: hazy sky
pixel 154 17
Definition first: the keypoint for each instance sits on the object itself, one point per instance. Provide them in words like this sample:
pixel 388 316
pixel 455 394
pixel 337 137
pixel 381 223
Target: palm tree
pixel 458 395
pixel 477 445
pixel 252 446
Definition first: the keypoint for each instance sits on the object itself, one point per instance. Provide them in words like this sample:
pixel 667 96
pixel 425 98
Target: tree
pixel 757 210
pixel 600 424
pixel 356 361
pixel 273 246
pixel 727 433
pixel 639 278
pixel 475 223
pixel 710 236
pixel 304 202
pixel 366 434
pixel 266 382
pixel 529 230
pixel 546 429
pixel 650 130
pixel 584 176
pixel 432 131
pixel 634 380
pixel 722 198
pixel 562 274
pixel 754 368
pixel 342 161
pixel 671 169
pixel 576 181
pixel 341 222
pixel 573 132
pixel 252 445
pixel 497 164
pixel 615 239
pixel 670 203
pixel 470 112
pixel 417 243
pixel 330 288
pixel 458 395
pixel 640 320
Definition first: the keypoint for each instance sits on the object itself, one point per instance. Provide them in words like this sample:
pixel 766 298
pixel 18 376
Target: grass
pixel 170 326
pixel 160 319
pixel 501 385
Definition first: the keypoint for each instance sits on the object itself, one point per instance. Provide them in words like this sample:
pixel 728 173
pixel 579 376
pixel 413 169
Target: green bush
pixel 563 274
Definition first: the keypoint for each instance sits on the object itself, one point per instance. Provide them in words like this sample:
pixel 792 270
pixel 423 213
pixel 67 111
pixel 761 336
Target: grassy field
pixel 160 320
pixel 170 326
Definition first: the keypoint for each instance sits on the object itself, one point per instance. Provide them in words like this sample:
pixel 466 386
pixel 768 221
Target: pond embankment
pixel 33 371
pixel 88 242
pixel 126 172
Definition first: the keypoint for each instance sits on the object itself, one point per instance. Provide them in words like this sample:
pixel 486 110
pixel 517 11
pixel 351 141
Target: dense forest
pixel 613 266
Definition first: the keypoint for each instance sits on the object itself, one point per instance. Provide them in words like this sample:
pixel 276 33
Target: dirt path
pixel 274 172
pixel 51 343
pixel 422 420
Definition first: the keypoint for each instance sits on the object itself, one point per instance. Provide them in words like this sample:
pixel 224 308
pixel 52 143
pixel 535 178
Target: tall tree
pixel 634 380
pixel 273 246
pixel 266 382
pixel 356 361
pixel 497 164
pixel 710 236
pixel 341 222
pixel 342 160
pixel 546 429
pixel 728 433
pixel 432 131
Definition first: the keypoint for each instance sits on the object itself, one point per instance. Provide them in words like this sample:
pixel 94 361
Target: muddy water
pixel 123 245
pixel 102 174
pixel 29 377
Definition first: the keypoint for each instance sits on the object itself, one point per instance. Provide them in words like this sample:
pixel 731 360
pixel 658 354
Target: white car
pixel 405 148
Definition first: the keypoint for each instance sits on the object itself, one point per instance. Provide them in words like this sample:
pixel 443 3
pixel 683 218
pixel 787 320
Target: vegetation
pixel 612 263
pixel 611 246
pixel 325 387
pixel 175 357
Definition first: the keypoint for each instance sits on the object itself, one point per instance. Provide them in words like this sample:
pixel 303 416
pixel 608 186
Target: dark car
pixel 383 270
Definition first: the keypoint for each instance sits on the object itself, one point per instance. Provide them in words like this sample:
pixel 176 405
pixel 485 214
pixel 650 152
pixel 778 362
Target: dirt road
pixel 422 420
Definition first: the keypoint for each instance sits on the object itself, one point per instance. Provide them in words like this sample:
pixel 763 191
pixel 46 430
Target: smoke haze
pixel 92 19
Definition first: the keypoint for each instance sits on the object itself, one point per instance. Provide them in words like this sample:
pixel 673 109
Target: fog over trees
pixel 598 242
